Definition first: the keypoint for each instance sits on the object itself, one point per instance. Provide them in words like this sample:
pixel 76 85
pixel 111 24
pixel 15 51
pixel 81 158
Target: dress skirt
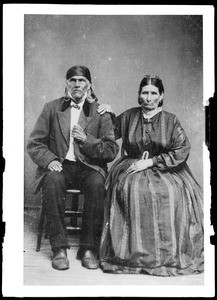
pixel 153 222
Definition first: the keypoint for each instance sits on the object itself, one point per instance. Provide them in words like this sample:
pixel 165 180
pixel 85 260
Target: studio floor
pixel 38 270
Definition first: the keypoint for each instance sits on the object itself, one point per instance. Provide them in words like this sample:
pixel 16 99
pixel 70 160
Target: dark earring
pixel 160 103
pixel 139 100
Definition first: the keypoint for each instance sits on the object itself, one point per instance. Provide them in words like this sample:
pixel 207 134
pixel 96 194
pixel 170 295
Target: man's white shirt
pixel 75 113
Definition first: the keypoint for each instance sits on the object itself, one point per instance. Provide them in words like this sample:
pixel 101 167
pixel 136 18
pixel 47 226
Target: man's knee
pixel 53 188
pixel 95 194
pixel 54 178
pixel 96 183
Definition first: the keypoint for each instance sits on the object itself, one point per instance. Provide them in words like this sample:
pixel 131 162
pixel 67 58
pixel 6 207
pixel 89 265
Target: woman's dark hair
pixel 154 80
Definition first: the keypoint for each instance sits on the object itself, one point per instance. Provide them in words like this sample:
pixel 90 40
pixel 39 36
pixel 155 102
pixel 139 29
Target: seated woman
pixel 153 221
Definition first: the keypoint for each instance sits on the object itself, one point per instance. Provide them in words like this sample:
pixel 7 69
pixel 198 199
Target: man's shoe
pixel 89 261
pixel 60 260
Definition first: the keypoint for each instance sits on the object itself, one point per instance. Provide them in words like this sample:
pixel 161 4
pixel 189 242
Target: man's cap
pixel 79 71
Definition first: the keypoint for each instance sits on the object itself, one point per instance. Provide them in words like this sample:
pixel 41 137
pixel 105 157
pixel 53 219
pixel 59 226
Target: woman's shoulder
pixel 171 118
pixel 169 115
pixel 132 110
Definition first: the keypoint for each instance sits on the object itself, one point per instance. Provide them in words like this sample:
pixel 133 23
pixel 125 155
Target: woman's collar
pixel 151 113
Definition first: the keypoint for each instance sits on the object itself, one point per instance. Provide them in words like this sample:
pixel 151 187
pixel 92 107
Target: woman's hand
pixel 140 165
pixel 103 108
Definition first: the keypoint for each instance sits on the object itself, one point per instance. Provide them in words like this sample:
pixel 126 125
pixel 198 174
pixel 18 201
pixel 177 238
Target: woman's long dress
pixel 153 221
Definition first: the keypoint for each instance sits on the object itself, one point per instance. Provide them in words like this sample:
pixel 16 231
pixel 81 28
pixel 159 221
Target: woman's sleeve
pixel 178 152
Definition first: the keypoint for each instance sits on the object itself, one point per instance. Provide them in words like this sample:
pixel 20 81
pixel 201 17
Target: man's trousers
pixel 78 176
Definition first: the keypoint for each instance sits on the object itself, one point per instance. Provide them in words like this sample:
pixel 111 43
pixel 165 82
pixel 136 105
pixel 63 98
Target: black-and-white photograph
pixel 106 154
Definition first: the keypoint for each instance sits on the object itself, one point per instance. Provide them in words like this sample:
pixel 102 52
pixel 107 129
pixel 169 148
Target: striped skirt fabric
pixel 153 222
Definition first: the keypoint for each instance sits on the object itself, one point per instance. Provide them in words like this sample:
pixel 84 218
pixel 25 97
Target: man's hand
pixel 55 165
pixel 78 134
pixel 140 165
pixel 103 108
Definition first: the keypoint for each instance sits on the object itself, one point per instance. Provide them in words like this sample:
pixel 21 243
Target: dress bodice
pixel 162 136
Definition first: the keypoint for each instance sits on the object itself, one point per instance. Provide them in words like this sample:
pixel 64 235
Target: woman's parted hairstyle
pixel 154 80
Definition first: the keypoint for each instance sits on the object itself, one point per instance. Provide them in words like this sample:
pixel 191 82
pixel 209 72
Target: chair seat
pixel 73 228
pixel 71 191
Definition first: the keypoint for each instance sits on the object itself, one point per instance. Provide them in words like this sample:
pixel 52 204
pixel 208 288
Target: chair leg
pixel 74 207
pixel 40 228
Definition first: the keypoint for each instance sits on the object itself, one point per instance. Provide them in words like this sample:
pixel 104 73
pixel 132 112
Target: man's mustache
pixel 77 89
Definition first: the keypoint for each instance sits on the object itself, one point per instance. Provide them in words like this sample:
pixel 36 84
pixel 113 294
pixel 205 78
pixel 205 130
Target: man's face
pixel 77 87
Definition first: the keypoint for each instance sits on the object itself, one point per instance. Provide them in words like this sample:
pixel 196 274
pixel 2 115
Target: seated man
pixel 71 144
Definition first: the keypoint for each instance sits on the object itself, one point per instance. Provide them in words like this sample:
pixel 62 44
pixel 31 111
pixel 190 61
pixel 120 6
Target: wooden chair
pixel 72 213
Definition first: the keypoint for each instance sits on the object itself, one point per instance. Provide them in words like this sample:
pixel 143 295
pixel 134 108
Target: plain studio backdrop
pixel 119 50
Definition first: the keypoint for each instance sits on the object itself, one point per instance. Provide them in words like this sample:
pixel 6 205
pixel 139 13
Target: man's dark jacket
pixel 50 138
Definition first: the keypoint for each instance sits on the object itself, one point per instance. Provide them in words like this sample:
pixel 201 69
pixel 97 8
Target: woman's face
pixel 150 97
